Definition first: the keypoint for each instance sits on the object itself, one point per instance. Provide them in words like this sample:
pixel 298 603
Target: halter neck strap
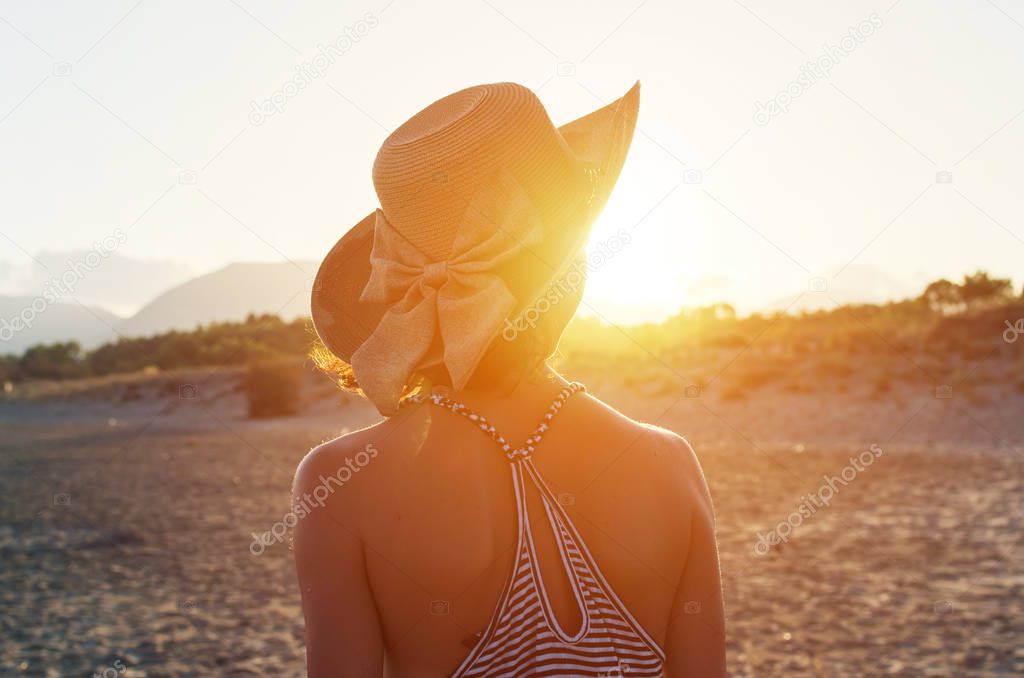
pixel 526 449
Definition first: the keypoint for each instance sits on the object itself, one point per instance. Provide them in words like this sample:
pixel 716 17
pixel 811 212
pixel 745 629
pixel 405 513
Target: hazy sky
pixel 137 115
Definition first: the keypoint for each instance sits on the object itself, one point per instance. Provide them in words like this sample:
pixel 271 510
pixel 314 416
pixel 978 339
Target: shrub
pixel 53 361
pixel 733 393
pixel 834 368
pixel 273 389
pixel 882 387
pixel 755 376
pixel 796 385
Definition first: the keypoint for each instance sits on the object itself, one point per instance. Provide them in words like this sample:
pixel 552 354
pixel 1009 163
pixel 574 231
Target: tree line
pixel 258 338
pixel 266 338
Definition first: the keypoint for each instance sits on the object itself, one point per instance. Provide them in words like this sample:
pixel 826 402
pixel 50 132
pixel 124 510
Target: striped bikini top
pixel 523 637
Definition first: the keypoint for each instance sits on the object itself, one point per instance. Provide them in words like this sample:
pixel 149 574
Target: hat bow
pixel 461 299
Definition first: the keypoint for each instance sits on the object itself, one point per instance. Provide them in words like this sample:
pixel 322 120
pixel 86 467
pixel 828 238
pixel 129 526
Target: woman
pixel 459 536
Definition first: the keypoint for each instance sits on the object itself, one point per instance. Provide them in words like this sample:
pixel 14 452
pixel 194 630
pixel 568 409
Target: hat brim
pixel 600 140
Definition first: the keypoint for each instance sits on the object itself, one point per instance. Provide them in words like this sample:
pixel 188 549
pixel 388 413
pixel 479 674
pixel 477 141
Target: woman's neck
pixel 530 389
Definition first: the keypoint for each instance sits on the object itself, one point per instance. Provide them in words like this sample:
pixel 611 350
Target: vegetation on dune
pixel 948 322
pixel 938 338
pixel 273 389
pixel 258 339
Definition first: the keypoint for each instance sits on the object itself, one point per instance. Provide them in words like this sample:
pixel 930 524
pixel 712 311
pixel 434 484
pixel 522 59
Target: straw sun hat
pixel 484 204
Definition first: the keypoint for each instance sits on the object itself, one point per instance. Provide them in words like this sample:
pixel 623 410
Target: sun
pixel 639 257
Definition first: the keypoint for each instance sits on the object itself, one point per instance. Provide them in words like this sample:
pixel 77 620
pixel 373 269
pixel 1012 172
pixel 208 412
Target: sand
pixel 126 529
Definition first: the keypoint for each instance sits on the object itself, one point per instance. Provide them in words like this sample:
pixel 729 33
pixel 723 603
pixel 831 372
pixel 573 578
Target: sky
pixel 786 153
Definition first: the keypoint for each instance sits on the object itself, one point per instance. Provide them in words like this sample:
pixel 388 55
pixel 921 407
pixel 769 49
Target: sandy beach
pixel 129 513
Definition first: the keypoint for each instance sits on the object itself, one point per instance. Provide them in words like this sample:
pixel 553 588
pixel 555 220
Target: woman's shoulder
pixel 345 461
pixel 646 439
pixel 663 455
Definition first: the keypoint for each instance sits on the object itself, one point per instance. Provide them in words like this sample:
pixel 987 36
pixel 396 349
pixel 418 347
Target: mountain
pixel 857 283
pixel 228 294
pixel 25 321
pixel 118 283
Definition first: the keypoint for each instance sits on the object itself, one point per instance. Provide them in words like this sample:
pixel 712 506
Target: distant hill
pixel 122 284
pixel 229 294
pixel 88 325
pixel 856 284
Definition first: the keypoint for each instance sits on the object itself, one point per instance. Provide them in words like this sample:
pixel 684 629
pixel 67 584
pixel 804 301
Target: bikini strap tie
pixel 513 454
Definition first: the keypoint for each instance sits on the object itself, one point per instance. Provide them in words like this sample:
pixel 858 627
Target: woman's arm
pixel 343 636
pixel 695 643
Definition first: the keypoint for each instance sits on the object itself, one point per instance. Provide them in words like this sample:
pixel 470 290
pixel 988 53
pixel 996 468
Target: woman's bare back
pixel 408 557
